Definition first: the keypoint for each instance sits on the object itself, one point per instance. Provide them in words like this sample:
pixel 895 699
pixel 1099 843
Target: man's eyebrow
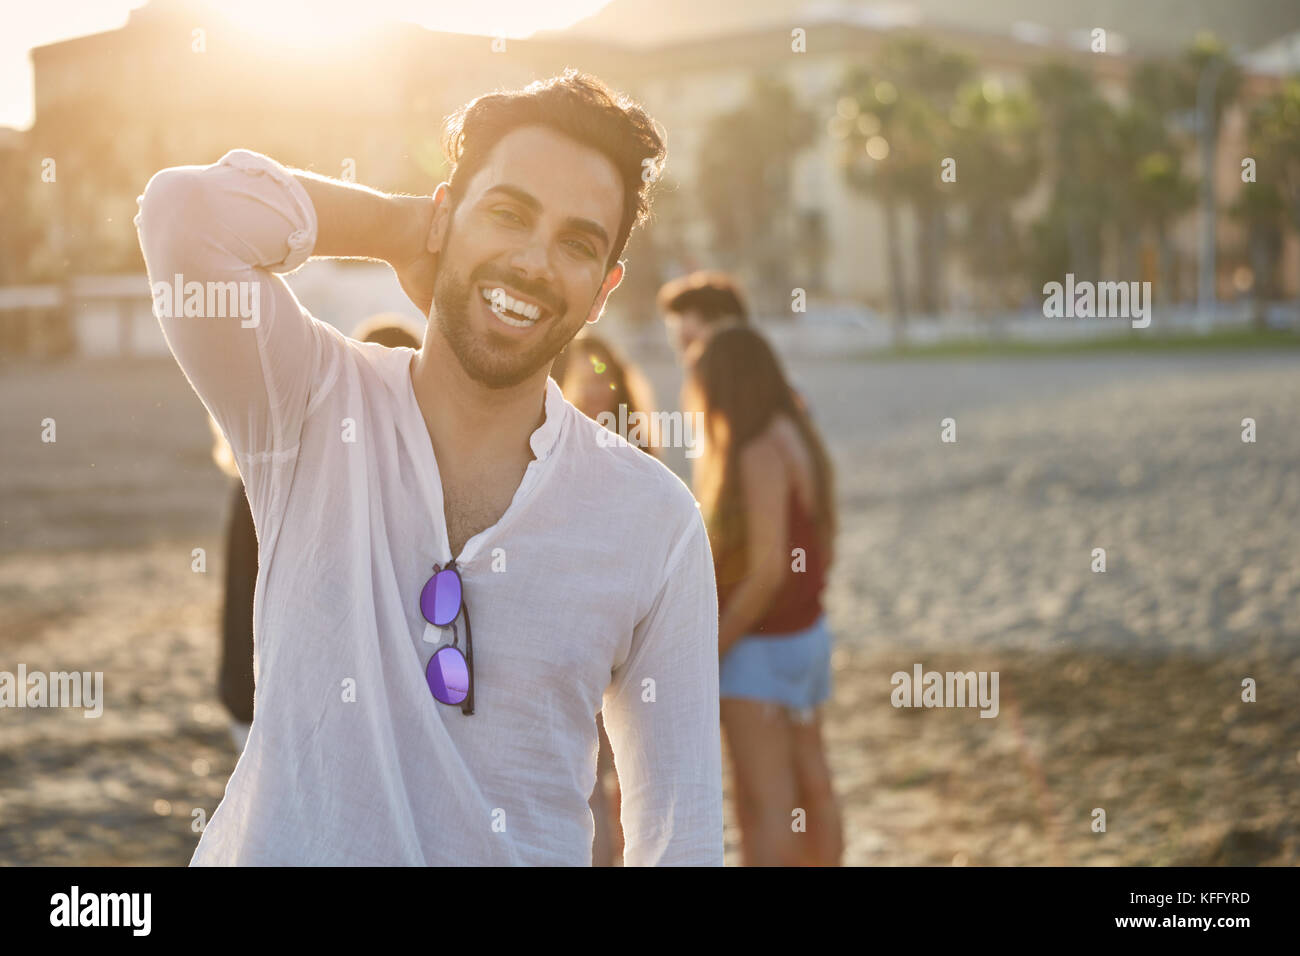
pixel 573 222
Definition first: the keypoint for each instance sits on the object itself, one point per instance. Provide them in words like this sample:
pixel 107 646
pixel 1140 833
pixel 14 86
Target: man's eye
pixel 507 212
pixel 583 247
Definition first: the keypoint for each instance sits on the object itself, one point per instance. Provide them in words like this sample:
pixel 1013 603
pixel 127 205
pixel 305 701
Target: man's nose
pixel 532 260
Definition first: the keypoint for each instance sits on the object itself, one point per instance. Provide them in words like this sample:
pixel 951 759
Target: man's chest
pixel 474 502
pixel 554 598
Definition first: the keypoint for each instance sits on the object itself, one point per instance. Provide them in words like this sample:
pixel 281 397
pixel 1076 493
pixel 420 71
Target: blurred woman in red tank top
pixel 766 489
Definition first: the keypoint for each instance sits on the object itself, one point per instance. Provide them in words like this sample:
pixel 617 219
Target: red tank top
pixel 797 604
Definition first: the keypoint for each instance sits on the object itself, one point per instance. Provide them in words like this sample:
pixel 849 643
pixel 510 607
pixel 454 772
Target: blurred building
pixel 179 84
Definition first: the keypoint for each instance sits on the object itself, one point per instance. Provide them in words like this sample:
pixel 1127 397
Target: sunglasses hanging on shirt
pixel 449 673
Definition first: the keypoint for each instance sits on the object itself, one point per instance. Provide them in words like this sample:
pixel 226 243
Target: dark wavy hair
pixel 581 107
pixel 710 294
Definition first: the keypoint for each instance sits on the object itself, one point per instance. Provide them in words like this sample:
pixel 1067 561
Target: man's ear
pixel 615 276
pixel 612 280
pixel 441 217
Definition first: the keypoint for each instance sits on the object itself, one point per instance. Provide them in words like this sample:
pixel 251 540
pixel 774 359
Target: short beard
pixel 453 299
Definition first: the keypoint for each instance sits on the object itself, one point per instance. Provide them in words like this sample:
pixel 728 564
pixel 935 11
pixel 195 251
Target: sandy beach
pixel 1118 690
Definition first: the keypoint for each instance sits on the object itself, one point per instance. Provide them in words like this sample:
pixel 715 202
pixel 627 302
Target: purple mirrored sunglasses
pixel 449 673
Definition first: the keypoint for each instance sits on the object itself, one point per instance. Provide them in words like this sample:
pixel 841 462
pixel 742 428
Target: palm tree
pixel 1260 208
pixel 1165 98
pixel 1270 205
pixel 1204 79
pixel 745 186
pixel 894 127
pixel 1079 127
pixel 1161 194
pixel 929 80
pixel 998 145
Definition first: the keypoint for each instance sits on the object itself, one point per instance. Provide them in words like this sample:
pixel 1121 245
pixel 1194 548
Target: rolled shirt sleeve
pixel 661 716
pixel 214 238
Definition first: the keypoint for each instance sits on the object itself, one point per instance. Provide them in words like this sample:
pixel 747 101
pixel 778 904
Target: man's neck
pixel 479 426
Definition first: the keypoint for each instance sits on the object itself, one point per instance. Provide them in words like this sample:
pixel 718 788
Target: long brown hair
pixel 741 382
pixel 627 385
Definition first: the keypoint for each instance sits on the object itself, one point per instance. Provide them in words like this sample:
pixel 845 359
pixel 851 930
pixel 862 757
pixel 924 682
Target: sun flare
pixel 332 21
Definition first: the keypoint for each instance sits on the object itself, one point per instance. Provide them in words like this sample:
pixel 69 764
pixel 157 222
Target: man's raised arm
pixel 356 222
pixel 214 238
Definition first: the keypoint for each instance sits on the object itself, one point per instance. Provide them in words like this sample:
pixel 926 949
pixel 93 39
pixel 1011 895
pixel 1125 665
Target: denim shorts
pixel 789 670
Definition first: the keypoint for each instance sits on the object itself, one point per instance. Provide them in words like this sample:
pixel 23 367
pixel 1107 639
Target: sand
pixel 1118 690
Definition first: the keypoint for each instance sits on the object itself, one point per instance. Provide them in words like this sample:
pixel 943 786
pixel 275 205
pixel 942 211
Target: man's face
pixel 684 330
pixel 689 333
pixel 537 223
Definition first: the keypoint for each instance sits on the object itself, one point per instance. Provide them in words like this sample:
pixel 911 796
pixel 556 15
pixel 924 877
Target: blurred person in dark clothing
pixel 235 681
pixel 596 378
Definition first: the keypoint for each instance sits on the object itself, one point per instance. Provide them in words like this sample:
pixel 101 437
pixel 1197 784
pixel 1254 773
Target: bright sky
pixel 37 23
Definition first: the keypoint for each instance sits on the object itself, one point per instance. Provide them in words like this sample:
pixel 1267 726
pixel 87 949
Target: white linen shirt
pixel 594 590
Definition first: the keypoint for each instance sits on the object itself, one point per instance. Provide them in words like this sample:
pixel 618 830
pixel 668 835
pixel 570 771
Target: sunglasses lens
pixel 440 599
pixel 448 676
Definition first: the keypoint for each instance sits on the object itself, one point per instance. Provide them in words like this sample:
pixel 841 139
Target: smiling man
pixel 399 493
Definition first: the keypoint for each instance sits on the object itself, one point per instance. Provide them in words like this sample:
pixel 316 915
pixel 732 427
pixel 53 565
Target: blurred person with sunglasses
pixel 596 378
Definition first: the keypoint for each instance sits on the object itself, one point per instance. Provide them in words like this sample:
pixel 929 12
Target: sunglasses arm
pixel 469 662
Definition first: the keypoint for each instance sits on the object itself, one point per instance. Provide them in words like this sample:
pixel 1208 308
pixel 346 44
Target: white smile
pixel 511 310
